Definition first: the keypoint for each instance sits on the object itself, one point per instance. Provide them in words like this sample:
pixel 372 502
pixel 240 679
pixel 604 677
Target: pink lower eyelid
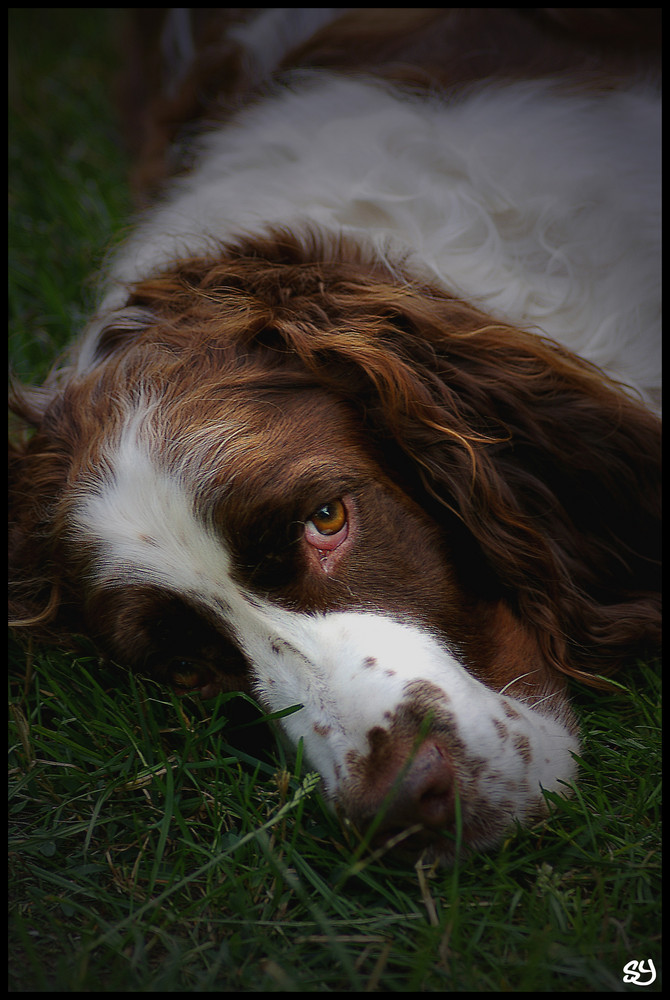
pixel 325 542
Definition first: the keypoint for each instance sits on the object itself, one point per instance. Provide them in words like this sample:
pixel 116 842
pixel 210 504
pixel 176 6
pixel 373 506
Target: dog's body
pixel 315 443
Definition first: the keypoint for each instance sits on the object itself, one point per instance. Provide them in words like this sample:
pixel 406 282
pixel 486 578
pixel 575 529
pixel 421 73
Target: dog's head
pixel 295 472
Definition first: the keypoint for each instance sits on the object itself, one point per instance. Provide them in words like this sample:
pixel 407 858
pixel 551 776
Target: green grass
pixel 68 190
pixel 148 853
pixel 152 848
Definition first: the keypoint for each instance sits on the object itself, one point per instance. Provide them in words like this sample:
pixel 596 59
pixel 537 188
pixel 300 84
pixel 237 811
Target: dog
pixel 366 420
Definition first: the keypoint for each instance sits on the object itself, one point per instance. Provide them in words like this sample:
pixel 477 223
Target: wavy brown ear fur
pixel 557 478
pixel 37 474
pixel 553 470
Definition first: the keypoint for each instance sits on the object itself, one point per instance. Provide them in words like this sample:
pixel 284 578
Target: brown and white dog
pixel 366 419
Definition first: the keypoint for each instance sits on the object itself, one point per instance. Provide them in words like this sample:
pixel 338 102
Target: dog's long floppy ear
pixel 37 474
pixel 553 471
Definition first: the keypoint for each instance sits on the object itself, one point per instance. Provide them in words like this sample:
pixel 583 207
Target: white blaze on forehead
pixel 141 522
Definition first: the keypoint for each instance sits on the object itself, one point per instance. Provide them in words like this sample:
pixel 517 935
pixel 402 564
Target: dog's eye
pixel 184 674
pixel 329 518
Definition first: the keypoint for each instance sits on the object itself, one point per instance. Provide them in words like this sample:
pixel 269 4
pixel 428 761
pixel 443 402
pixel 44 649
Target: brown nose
pixel 418 791
pixel 426 791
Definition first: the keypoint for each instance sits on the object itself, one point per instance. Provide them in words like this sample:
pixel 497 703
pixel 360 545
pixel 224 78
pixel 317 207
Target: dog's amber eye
pixel 330 518
pixel 184 674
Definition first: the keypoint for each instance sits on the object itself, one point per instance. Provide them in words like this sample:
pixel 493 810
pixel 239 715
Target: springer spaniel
pixel 366 420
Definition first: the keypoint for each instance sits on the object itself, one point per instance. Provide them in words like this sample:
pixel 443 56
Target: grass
pixel 153 846
pixel 68 189
pixel 149 853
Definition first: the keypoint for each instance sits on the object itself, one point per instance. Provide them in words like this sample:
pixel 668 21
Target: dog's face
pixel 264 547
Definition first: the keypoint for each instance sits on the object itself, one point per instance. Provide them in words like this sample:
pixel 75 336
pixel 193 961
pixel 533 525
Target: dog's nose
pixel 423 792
